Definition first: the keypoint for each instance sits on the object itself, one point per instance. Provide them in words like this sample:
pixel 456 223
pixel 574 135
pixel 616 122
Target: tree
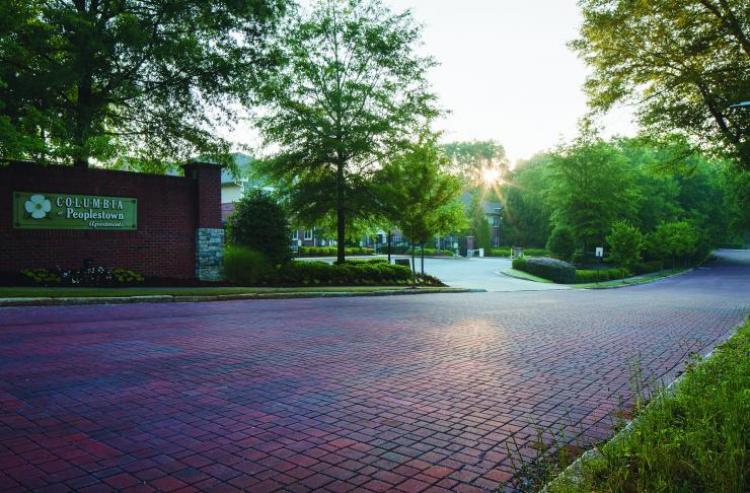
pixel 684 62
pixel 592 189
pixel 626 244
pixel 477 162
pixel 351 93
pixel 94 79
pixel 479 225
pixel 527 211
pixel 259 223
pixel 674 239
pixel 562 243
pixel 417 195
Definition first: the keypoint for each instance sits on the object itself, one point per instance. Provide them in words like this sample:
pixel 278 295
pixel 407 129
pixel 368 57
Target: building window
pixel 308 234
pixel 295 234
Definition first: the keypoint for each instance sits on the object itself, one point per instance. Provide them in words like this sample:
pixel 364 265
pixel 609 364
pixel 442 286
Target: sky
pixel 506 73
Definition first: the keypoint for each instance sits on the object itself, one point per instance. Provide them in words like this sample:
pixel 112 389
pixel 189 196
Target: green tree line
pixel 630 194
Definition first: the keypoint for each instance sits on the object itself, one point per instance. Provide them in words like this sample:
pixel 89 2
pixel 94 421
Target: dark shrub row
pixel 331 251
pixel 601 275
pixel 547 268
pixel 247 267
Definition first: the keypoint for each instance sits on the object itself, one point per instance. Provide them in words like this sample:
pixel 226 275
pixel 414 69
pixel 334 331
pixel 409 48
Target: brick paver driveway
pixel 400 393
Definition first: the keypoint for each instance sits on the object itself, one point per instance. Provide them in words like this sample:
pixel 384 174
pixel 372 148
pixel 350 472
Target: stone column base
pixel 209 254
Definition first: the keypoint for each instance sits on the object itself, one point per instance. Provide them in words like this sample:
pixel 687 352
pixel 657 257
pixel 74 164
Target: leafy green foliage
pixel 475 161
pixel 592 188
pixel 592 185
pixel 245 266
pixel 417 195
pixel 584 276
pixel 626 244
pixel 562 243
pixel 685 62
pixel 528 211
pixel 144 79
pixel 674 240
pixel 346 274
pixel 351 92
pixel 331 251
pixel 260 224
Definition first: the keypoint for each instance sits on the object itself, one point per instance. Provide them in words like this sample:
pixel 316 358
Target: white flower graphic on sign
pixel 37 206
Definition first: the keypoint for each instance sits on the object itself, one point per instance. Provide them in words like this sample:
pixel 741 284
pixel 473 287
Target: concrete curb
pixel 107 300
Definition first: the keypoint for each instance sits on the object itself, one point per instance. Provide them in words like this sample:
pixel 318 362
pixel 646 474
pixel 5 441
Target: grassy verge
pixel 631 281
pixel 33 292
pixel 693 439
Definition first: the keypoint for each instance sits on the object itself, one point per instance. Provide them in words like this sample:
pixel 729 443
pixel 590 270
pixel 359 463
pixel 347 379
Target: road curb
pixel 112 300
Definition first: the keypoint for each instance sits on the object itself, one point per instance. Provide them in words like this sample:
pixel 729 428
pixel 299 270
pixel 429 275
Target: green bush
pixel 548 268
pixel 346 274
pixel 562 243
pixel 602 275
pixel 648 267
pixel 245 266
pixel 260 224
pixel 406 250
pixel 331 251
pixel 626 244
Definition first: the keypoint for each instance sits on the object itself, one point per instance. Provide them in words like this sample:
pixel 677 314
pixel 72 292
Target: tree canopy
pixel 476 161
pixel 592 185
pixel 142 79
pixel 684 62
pixel 351 93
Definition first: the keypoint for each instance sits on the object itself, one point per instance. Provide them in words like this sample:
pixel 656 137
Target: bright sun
pixel 490 176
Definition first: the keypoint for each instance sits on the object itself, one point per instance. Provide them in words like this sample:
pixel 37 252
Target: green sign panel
pixel 37 210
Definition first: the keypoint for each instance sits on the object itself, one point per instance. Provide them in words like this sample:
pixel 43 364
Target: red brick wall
pixel 163 245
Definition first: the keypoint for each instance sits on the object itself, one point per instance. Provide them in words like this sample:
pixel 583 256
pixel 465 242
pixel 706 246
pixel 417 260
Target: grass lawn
pixel 693 439
pixel 631 281
pixel 34 292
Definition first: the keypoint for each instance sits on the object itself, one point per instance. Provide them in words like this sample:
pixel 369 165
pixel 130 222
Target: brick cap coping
pixel 168 298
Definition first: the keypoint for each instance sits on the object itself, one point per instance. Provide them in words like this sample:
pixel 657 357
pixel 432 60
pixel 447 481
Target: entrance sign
pixel 39 210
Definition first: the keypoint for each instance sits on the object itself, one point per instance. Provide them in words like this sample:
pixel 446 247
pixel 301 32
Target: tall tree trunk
pixel 389 245
pixel 422 267
pixel 413 266
pixel 340 214
pixel 85 93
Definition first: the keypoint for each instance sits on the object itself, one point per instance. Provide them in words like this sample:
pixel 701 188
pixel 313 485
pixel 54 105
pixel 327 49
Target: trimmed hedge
pixel 406 250
pixel 506 251
pixel 331 251
pixel 244 265
pixel 649 267
pixel 587 276
pixel 346 274
pixel 548 268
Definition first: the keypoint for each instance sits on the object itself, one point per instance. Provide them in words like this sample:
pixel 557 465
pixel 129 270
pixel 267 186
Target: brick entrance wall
pixel 171 210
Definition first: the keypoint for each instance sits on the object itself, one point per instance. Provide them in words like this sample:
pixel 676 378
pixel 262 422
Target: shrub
pixel 648 267
pixel 602 275
pixel 86 276
pixel 245 266
pixel 346 274
pixel 547 268
pixel 260 224
pixel 626 243
pixel 562 243
pixel 331 251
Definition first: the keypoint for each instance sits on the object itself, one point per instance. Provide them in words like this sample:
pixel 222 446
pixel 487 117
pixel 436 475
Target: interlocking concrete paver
pixel 381 394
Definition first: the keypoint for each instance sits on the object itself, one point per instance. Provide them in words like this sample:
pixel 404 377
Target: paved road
pixel 413 393
pixel 481 273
